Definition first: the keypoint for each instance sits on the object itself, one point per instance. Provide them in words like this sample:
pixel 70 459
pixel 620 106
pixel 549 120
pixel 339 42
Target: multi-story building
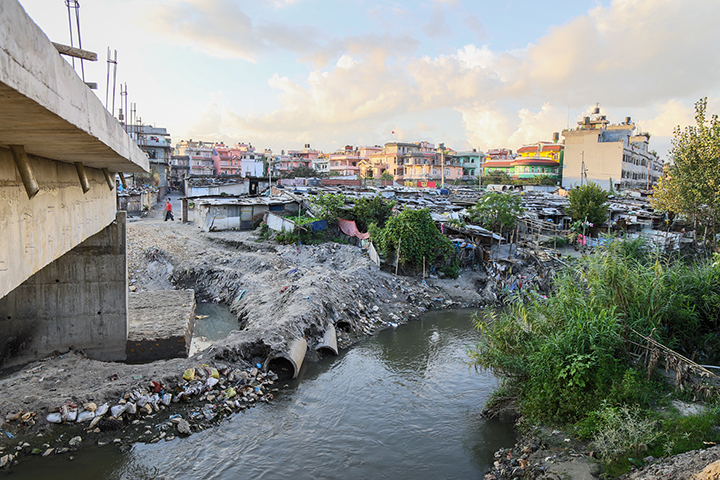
pixel 321 164
pixel 611 155
pixel 179 169
pixel 199 155
pixel 284 163
pixel 538 159
pixel 156 143
pixel 240 159
pixel 471 162
pixel 345 162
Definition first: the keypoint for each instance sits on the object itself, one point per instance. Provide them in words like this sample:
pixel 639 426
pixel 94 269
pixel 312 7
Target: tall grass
pixel 564 355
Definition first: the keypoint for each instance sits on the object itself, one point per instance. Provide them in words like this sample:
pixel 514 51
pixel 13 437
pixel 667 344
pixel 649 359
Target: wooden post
pixel 397 256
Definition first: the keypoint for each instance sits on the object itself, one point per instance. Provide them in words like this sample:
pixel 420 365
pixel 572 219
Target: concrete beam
pixel 48 109
pixel 59 217
pixel 23 165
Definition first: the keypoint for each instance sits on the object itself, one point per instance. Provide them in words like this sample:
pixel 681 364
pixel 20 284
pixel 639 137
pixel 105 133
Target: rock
pixel 47 452
pixel 183 427
pixel 711 472
pixel 75 441
pixel 85 416
pixel 54 418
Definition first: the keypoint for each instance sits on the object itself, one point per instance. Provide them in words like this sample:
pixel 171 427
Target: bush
pixel 588 203
pixel 496 211
pixel 329 206
pixel 413 236
pixel 566 353
pixel 375 210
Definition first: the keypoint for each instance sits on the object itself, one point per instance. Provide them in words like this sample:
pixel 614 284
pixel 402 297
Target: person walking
pixel 168 211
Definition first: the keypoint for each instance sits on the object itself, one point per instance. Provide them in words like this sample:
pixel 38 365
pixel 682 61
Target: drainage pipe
pixel 295 354
pixel 329 341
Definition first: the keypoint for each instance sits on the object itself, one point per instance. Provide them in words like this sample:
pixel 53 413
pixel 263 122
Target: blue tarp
pixel 318 226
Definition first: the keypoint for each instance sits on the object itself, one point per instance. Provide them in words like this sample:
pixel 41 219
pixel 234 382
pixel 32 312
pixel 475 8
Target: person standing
pixel 168 211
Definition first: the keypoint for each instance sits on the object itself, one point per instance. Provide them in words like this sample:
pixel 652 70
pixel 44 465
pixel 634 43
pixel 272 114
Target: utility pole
pixel 442 166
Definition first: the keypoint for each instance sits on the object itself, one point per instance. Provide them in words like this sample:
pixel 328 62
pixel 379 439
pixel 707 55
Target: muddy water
pixel 401 405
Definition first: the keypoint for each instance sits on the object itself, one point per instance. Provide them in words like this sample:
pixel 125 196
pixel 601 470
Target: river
pixel 402 404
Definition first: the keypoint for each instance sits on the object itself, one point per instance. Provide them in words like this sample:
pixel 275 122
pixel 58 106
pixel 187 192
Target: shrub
pixel 413 236
pixel 588 203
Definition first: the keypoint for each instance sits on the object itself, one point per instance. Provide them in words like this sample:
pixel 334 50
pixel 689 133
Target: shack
pixel 235 213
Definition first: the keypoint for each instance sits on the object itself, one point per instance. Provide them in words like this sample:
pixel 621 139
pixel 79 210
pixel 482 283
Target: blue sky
pixel 472 74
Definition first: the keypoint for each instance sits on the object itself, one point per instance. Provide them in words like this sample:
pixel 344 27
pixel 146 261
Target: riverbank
pixel 277 292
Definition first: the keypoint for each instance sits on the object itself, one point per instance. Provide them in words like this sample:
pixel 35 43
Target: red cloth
pixel 349 228
pixel 168 207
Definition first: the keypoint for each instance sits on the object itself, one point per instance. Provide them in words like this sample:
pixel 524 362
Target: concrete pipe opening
pixel 328 345
pixel 287 363
pixel 283 367
pixel 344 325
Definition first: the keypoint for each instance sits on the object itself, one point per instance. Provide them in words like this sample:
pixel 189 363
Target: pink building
pixel 240 159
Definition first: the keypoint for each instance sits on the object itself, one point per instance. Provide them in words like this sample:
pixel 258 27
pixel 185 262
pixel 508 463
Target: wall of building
pixel 78 301
pixel 603 161
pixel 36 231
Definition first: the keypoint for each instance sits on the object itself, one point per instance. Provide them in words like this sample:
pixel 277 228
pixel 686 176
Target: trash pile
pixel 221 390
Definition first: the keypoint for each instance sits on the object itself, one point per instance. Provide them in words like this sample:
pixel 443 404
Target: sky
pixel 478 74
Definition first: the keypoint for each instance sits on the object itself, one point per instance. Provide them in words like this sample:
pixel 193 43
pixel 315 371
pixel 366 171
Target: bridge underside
pixel 62 249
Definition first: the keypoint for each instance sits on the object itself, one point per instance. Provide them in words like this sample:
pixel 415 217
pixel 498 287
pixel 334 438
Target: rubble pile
pixel 205 394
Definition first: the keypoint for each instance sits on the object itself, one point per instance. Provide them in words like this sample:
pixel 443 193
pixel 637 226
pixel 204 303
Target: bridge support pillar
pixel 78 301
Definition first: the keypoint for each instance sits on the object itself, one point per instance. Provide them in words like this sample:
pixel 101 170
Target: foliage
pixel 452 269
pixel 557 241
pixel 496 211
pixel 329 205
pixel 624 431
pixel 302 172
pixel 566 353
pixel 300 236
pixel 496 177
pixel 588 203
pixel 691 183
pixel 412 235
pixel 387 176
pixel 375 210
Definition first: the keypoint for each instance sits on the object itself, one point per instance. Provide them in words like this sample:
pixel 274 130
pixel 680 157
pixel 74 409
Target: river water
pixel 402 404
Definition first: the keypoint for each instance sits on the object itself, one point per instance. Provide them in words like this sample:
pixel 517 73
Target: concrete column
pixel 78 301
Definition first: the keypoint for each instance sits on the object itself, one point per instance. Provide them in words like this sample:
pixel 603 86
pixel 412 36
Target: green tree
pixel 496 211
pixel 375 210
pixel 302 172
pixel 588 202
pixel 413 236
pixel 691 183
pixel 387 176
pixel 328 205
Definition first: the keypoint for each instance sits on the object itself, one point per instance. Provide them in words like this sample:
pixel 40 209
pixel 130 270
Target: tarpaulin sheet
pixel 318 225
pixel 349 228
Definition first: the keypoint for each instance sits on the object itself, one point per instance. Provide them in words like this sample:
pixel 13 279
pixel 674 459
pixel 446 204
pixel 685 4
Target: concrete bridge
pixel 63 271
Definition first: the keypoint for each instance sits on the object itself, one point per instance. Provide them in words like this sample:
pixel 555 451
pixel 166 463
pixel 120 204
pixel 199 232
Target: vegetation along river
pixel 402 404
